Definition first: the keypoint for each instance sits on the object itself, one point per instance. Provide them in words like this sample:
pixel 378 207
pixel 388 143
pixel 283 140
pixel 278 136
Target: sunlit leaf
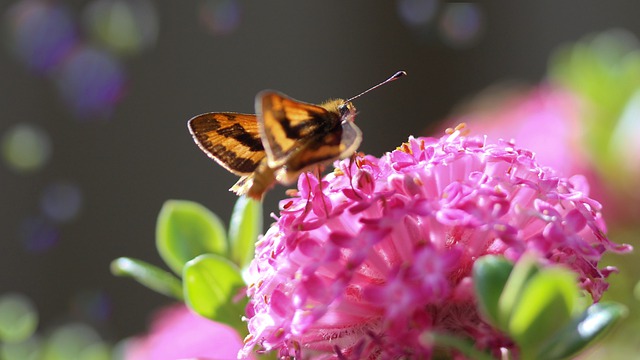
pixel 522 272
pixel 245 226
pixel 213 288
pixel 148 275
pixel 546 305
pixel 490 274
pixel 186 229
pixel 582 331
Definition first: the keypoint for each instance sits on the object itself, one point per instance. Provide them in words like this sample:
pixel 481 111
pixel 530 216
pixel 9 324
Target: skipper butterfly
pixel 284 139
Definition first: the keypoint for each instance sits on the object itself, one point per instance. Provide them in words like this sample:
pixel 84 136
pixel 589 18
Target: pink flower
pixel 366 263
pixel 177 333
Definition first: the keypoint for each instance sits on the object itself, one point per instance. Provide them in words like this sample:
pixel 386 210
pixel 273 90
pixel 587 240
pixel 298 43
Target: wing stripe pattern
pixel 240 134
pixel 231 139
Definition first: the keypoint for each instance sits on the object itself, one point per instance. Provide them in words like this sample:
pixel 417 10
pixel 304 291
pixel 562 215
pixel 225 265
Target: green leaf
pixel 245 226
pixel 464 346
pixel 148 275
pixel 186 229
pixel 546 305
pixel 490 274
pixel 522 272
pixel 211 284
pixel 18 318
pixel 581 331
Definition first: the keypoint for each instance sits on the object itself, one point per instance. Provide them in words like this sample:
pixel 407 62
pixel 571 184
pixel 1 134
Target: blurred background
pixel 95 96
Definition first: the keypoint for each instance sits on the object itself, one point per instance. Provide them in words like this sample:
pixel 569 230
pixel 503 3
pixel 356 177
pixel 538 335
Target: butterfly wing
pixel 231 139
pixel 286 124
pixel 338 144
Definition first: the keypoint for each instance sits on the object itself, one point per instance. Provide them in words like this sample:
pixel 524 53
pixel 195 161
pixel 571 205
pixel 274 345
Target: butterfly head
pixel 347 111
pixel 343 109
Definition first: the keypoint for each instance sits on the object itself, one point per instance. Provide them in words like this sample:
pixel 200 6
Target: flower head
pixel 368 261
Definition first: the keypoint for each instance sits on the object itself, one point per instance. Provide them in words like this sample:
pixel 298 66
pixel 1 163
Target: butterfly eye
pixel 344 109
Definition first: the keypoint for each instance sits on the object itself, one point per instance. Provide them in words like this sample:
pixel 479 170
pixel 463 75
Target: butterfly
pixel 286 138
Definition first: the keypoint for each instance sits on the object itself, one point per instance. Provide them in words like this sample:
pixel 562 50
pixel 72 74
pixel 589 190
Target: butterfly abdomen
pixel 256 184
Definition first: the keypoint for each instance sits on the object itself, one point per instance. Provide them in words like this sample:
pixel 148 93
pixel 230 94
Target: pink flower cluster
pixel 369 261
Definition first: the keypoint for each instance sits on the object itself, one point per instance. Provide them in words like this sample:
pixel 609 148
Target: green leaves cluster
pixel 207 260
pixel 541 309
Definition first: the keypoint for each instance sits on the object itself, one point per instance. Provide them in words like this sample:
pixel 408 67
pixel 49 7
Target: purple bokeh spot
pixel 91 82
pixel 38 235
pixel 41 34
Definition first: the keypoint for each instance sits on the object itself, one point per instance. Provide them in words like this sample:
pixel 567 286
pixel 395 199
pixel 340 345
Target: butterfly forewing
pixel 285 124
pixel 231 139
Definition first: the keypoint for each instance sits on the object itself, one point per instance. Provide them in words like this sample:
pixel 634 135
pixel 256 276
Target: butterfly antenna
pixel 395 76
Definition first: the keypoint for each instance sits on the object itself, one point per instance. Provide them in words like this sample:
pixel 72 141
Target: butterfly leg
pixel 307 206
pixel 318 173
pixel 353 159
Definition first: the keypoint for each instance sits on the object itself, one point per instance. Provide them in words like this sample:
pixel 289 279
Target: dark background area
pixel 126 166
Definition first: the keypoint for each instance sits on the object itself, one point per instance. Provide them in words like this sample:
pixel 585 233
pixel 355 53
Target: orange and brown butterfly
pixel 284 139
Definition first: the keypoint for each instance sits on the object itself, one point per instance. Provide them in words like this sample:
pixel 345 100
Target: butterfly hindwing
pixel 286 125
pixel 231 139
pixel 338 144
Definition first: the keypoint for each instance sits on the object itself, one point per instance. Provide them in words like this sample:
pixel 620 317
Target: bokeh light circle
pixel 417 12
pixel 461 24
pixel 25 147
pixel 92 305
pixel 126 27
pixel 61 201
pixel 91 82
pixel 18 318
pixel 75 341
pixel 38 234
pixel 220 17
pixel 40 33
